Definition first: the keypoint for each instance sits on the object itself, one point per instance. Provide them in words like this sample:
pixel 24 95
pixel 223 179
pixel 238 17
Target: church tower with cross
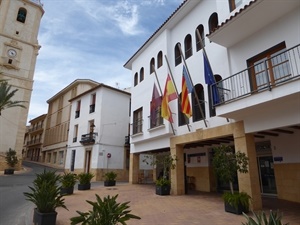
pixel 19 48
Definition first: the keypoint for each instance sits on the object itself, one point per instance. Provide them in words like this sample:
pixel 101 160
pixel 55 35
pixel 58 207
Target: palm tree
pixel 6 94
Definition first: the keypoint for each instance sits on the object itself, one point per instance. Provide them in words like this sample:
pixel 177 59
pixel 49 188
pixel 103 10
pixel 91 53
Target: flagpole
pixel 196 95
pixel 162 94
pixel 204 51
pixel 179 100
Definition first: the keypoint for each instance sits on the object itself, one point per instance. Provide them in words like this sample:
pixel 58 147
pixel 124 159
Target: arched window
pixel 142 74
pixel 198 103
pixel 214 92
pixel 159 59
pixel 135 79
pixel 201 32
pixel 182 118
pixel 213 22
pixel 233 4
pixel 152 65
pixel 177 54
pixel 21 17
pixel 188 46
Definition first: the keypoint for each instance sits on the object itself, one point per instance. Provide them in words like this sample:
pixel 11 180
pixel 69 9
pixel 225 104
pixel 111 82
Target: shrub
pixel 110 176
pixel 45 193
pixel 105 212
pixel 68 180
pixel 262 219
pixel 11 158
pixel 85 178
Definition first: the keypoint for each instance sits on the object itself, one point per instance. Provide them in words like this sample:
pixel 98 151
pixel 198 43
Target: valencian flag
pixel 155 104
pixel 169 95
pixel 186 89
pixel 210 80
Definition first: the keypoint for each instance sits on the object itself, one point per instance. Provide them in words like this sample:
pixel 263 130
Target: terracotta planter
pixel 44 218
pixel 163 190
pixel 82 187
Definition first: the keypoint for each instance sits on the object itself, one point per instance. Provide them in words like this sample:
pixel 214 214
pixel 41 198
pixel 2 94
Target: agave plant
pixel 45 193
pixel 105 212
pixel 262 219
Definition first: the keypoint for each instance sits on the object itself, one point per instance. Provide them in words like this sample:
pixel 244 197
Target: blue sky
pixel 91 39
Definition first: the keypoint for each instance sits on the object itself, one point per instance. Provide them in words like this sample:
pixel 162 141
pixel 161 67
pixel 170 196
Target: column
pixel 177 174
pixel 248 182
pixel 134 167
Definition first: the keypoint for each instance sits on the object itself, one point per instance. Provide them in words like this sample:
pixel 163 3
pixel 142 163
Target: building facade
pixel 250 103
pixel 35 138
pixel 58 119
pixel 98 135
pixel 19 27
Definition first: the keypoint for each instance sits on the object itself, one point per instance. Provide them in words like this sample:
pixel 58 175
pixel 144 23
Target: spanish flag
pixel 169 95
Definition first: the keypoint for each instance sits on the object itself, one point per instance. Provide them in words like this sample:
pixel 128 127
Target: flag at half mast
pixel 169 95
pixel 155 105
pixel 186 89
pixel 210 80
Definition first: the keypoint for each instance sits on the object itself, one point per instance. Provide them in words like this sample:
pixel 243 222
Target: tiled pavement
pixel 199 208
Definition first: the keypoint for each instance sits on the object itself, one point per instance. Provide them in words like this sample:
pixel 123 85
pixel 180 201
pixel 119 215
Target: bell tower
pixel 19 47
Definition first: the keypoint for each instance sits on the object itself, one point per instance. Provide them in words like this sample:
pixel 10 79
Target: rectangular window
pixel 155 117
pixel 75 133
pixel 269 67
pixel 93 103
pixel 137 126
pixel 77 112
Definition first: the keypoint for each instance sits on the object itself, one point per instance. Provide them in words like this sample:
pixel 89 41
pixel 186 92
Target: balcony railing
pixel 137 126
pixel 92 108
pixel 127 140
pixel 35 128
pixel 34 142
pixel 265 75
pixel 88 138
pixel 77 114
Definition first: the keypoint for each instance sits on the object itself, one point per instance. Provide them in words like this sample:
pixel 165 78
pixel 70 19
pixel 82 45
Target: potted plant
pixel 166 162
pixel 46 196
pixel 262 219
pixel 84 181
pixel 110 178
pixel 105 211
pixel 68 181
pixel 11 160
pixel 226 164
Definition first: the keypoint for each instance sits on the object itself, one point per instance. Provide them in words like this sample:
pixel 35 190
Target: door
pixel 87 161
pixel 267 177
pixel 73 160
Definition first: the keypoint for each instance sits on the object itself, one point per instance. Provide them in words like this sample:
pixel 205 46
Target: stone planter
pixel 9 171
pixel 163 190
pixel 231 209
pixel 82 187
pixel 67 190
pixel 109 183
pixel 44 218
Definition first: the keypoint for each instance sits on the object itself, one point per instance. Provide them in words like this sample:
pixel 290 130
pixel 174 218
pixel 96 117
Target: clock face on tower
pixel 12 53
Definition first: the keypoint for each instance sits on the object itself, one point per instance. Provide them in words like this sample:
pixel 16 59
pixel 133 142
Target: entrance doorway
pixel 267 176
pixel 87 161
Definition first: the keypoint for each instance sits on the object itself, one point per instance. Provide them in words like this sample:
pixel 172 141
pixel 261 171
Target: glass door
pixel 267 177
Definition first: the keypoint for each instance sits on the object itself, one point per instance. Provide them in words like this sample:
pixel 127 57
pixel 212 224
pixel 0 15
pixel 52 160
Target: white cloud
pixel 91 39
